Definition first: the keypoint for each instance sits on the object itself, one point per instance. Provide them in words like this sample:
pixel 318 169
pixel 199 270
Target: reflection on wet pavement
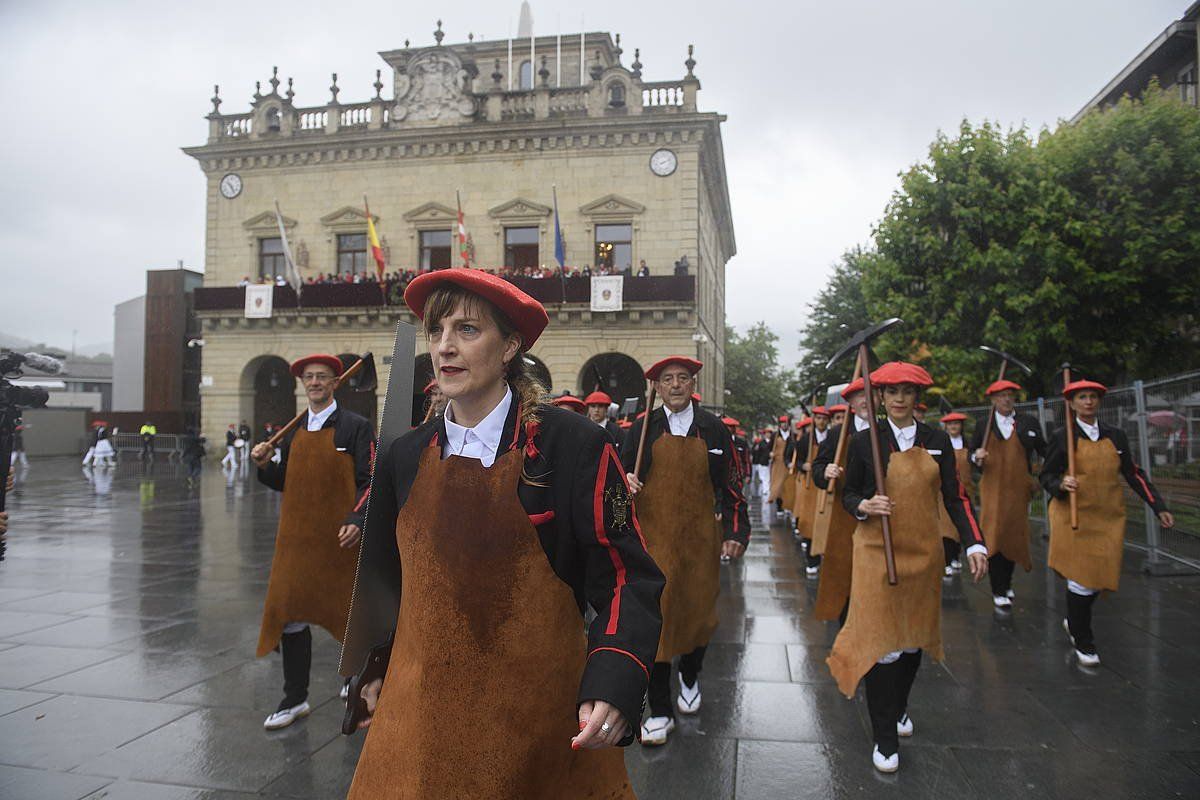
pixel 129 611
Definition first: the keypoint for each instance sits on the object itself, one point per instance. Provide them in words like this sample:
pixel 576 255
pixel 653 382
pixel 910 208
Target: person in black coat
pixel 598 404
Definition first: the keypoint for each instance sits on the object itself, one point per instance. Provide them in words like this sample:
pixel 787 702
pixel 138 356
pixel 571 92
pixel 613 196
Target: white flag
pixel 606 292
pixel 293 274
pixel 258 300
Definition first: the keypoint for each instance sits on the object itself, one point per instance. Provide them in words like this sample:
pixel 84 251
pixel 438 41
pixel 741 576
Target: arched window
pixel 273 119
pixel 615 374
pixel 526 75
pixel 616 94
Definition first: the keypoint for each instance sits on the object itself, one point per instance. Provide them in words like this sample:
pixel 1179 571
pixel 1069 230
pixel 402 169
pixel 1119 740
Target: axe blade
pixel 1009 357
pixel 862 337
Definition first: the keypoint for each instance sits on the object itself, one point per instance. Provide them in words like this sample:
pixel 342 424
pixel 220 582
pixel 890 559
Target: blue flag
pixel 560 249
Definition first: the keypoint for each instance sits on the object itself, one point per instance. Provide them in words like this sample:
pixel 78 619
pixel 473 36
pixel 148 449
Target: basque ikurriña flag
pixel 464 251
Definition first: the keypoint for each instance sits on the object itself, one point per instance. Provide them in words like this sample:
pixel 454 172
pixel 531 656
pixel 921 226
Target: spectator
pixel 643 270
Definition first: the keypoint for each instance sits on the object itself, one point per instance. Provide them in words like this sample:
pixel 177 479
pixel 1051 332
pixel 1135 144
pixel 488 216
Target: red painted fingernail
pixel 575 746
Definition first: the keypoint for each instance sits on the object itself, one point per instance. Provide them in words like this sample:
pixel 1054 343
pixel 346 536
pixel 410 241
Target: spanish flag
pixel 373 238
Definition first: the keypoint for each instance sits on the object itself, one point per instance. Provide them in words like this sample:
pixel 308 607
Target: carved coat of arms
pixel 433 89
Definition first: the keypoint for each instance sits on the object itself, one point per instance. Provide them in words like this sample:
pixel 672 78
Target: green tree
pixel 756 386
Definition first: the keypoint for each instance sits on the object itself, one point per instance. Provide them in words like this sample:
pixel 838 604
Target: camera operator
pixel 13 398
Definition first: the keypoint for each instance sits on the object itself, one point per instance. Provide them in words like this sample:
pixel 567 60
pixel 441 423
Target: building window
pixel 435 249
pixel 616 95
pixel 351 253
pixel 273 120
pixel 270 257
pixel 521 247
pixel 1187 85
pixel 526 75
pixel 614 247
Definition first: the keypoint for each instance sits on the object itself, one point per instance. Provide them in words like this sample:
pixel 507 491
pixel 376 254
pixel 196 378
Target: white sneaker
pixel 286 716
pixel 1011 595
pixel 885 763
pixel 655 730
pixel 811 571
pixel 956 565
pixel 1001 602
pixel 949 572
pixel 345 691
pixel 1087 659
pixel 689 697
pixel 904 727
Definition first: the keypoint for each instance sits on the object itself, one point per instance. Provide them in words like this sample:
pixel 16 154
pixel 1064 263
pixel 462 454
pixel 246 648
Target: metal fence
pixel 1162 420
pixel 168 444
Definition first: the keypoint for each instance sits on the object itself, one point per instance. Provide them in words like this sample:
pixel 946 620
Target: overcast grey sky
pixel 827 102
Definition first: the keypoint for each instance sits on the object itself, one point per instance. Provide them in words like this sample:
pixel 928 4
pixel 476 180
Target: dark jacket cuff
pixel 618 679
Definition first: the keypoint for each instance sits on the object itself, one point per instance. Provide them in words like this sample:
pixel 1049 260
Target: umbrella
pixel 1166 419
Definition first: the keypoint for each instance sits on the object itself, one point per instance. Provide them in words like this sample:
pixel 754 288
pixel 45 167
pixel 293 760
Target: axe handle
pixel 889 555
pixel 337 382
pixel 987 430
pixel 809 457
pixel 839 456
pixel 1072 497
pixel 637 463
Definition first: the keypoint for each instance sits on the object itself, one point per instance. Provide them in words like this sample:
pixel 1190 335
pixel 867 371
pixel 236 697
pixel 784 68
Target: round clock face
pixel 663 162
pixel 231 186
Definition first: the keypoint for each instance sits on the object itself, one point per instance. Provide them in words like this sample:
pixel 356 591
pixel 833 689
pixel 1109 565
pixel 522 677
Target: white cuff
pixel 977 548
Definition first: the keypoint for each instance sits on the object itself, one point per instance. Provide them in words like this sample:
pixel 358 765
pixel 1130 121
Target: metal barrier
pixel 1162 420
pixel 168 443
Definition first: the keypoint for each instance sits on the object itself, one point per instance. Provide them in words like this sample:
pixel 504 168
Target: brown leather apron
pixel 1004 500
pixel 312 576
pixel 885 618
pixel 779 472
pixel 837 558
pixel 805 504
pixel 963 466
pixel 675 510
pixel 1092 554
pixel 480 695
pixel 788 492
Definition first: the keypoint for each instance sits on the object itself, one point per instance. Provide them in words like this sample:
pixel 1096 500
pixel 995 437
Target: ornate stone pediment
pixel 266 222
pixel 432 212
pixel 432 89
pixel 612 205
pixel 519 208
pixel 347 215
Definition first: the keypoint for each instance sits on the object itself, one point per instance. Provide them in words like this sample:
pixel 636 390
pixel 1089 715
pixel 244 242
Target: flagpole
pixel 510 65
pixel 581 56
pixel 293 274
pixel 558 62
pixel 560 254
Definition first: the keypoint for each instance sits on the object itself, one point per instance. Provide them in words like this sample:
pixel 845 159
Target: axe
pixel 1072 497
pixel 792 432
pixel 1005 360
pixel 858 342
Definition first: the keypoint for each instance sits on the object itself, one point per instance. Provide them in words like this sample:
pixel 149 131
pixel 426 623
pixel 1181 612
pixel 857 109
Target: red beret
pixel 954 416
pixel 740 432
pixel 624 424
pixel 527 315
pixel 571 402
pixel 333 362
pixel 921 407
pixel 1078 386
pixel 804 422
pixel 1000 386
pixel 696 396
pixel 854 387
pixel 730 421
pixel 693 366
pixel 784 418
pixel 894 373
pixel 597 399
pixel 429 387
pixel 840 408
pixel 821 410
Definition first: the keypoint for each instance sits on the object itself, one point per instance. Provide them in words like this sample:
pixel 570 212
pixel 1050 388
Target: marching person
pixel 888 627
pixel 1006 486
pixel 1089 557
pixel 795 451
pixel 741 448
pixel 324 472
pixel 231 455
pixel 506 519
pixel 837 414
pixel 778 462
pixel 687 474
pixel 245 434
pixel 570 402
pixel 105 454
pixel 833 537
pixel 952 423
pixel 598 404
pixel 435 399
pixel 806 488
pixel 919 412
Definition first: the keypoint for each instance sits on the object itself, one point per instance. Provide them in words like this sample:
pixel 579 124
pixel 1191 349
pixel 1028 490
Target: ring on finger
pixel 605 728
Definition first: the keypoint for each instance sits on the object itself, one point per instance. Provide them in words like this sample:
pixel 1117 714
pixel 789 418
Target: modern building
pixel 1171 59
pixel 84 383
pixel 506 130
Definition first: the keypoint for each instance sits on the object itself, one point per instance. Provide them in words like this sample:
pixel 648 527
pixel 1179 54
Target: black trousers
pixel 296 649
pixel 951 549
pixel 1079 620
pixel 809 559
pixel 887 687
pixel 658 693
pixel 1000 572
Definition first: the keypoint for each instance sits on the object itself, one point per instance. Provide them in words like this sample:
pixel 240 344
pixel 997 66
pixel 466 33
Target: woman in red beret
pixel 888 626
pixel 1089 556
pixel 511 517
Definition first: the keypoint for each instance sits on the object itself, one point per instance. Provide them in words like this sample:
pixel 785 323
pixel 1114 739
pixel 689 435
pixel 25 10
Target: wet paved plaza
pixel 129 612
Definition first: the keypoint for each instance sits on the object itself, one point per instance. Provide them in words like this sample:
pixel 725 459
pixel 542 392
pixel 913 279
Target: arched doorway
pixel 539 371
pixel 616 374
pixel 422 374
pixel 274 393
pixel 350 398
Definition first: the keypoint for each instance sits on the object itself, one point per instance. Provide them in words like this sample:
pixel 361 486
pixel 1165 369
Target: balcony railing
pixel 654 289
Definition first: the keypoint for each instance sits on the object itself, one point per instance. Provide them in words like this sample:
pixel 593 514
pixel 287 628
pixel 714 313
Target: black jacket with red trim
pixel 730 503
pixel 1056 466
pixel 352 434
pixel 601 558
pixel 860 475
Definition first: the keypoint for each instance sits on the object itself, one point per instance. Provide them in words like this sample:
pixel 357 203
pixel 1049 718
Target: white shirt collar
pixel 680 423
pixel 905 437
pixel 482 441
pixel 1092 431
pixel 821 435
pixel 956 442
pixel 860 424
pixel 317 421
pixel 1005 424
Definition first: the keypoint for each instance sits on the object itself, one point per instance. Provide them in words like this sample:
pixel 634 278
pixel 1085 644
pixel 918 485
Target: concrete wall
pixel 55 431
pixel 129 354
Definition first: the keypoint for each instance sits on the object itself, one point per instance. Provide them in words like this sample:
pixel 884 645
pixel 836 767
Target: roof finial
pixel 290 93
pixel 438 33
pixel 274 80
pixel 378 84
pixel 257 90
pixel 406 44
pixel 637 62
pixel 333 91
pixel 691 62
pixel 618 51
pixel 216 99
pixel 496 75
pixel 544 73
pixel 471 38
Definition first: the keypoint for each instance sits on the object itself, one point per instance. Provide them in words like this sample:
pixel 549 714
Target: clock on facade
pixel 231 186
pixel 663 162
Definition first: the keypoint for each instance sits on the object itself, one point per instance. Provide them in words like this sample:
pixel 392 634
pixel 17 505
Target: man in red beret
pixel 837 414
pixel 952 423
pixel 324 472
pixel 598 404
pixel 435 399
pixel 760 460
pixel 1006 486
pixel 571 402
pixel 687 474
pixel 778 462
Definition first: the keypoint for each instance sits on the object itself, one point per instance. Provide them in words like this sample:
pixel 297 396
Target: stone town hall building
pixel 640 176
